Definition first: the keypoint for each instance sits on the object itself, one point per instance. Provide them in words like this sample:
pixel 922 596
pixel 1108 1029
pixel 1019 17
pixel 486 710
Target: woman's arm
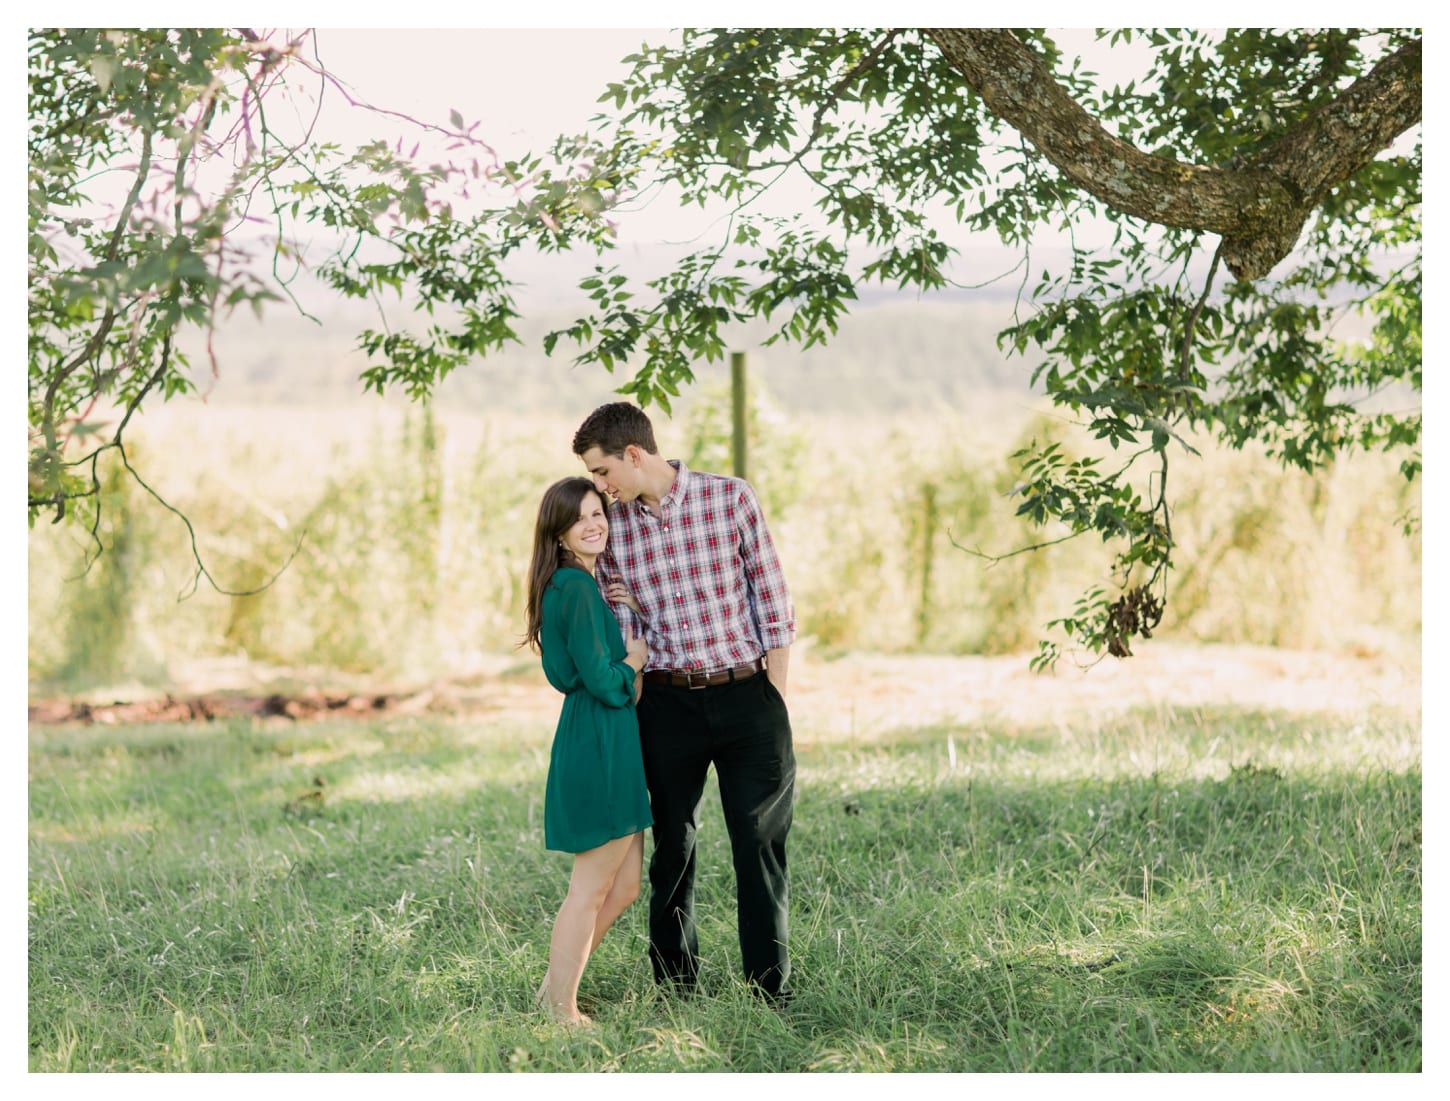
pixel 588 629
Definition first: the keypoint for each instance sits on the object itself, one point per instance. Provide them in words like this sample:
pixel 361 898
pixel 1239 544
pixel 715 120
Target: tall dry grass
pixel 408 532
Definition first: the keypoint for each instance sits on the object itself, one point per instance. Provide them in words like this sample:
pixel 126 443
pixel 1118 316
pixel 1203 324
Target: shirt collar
pixel 676 495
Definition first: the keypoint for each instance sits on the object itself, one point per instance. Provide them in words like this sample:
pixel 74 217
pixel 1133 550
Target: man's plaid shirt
pixel 705 573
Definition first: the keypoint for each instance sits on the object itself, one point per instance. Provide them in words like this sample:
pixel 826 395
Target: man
pixel 692 554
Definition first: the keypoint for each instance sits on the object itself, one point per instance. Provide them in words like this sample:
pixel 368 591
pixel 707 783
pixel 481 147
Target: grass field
pixel 1192 889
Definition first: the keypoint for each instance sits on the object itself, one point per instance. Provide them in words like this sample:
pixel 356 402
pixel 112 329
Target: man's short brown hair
pixel 613 427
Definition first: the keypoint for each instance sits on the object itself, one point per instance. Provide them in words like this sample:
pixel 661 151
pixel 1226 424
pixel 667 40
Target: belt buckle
pixel 690 681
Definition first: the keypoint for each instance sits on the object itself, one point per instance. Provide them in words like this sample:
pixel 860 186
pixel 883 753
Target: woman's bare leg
pixel 622 892
pixel 572 939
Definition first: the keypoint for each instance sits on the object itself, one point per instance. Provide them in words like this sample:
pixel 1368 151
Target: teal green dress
pixel 596 790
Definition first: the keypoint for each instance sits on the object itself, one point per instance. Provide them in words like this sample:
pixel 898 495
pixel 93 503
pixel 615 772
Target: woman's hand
pixel 616 593
pixel 636 652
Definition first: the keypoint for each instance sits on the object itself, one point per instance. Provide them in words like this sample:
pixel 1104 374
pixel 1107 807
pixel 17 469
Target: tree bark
pixel 1259 207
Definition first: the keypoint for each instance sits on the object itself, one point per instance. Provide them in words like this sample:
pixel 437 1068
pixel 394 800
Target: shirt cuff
pixel 776 637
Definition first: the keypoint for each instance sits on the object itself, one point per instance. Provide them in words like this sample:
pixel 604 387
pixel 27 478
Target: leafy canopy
pixel 173 175
pixel 1260 192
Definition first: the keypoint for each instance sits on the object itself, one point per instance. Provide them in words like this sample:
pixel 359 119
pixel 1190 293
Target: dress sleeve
pixel 588 630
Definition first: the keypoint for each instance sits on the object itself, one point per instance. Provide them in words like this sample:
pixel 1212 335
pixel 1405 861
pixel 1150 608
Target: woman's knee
pixel 596 872
pixel 590 890
pixel 626 886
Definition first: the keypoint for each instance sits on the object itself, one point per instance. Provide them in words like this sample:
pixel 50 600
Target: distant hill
pixel 889 355
pixel 892 354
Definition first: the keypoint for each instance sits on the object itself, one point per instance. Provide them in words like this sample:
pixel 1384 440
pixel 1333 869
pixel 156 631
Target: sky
pixel 523 86
pixel 526 86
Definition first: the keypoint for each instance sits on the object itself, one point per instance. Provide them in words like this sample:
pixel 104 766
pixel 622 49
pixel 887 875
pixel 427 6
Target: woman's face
pixel 588 534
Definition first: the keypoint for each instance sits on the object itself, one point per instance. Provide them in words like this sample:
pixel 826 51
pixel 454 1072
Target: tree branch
pixel 1185 350
pixel 993 559
pixel 201 570
pixel 98 339
pixel 1259 207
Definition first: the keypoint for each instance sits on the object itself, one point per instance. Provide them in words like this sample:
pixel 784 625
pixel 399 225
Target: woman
pixel 596 805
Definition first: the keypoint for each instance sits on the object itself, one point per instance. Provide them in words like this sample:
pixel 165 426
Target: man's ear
pixel 633 453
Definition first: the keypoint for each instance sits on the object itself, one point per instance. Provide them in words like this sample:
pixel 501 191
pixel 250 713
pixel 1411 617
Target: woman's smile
pixel 587 536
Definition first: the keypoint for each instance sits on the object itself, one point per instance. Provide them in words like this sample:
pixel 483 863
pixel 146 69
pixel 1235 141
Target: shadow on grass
pixel 1041 903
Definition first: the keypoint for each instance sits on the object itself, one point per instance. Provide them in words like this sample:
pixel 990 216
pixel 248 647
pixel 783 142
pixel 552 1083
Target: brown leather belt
pixel 705 680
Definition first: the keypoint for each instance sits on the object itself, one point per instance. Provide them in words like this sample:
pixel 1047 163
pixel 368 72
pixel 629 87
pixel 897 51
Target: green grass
pixel 1211 890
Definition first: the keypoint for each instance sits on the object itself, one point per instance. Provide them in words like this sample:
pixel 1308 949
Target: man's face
pixel 617 475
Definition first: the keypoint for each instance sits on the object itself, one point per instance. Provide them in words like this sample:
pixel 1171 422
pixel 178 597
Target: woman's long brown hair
pixel 558 512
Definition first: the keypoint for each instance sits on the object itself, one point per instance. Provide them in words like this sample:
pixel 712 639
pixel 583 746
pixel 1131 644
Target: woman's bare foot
pixel 564 1014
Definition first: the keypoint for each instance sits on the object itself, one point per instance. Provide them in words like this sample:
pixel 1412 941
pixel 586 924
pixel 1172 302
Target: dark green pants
pixel 743 729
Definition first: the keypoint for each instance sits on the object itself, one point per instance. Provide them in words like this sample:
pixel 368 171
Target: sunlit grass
pixel 1196 890
pixel 409 545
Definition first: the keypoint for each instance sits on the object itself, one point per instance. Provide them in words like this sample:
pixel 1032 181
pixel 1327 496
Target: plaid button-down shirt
pixel 705 573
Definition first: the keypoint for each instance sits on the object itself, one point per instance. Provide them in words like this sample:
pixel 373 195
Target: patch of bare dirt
pixel 859 695
pixel 170 708
pixel 855 696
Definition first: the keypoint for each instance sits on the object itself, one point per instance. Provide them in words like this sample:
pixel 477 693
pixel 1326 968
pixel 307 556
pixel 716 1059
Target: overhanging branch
pixel 1259 207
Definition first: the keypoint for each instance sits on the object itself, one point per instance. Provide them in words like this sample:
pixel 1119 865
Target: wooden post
pixel 928 542
pixel 737 413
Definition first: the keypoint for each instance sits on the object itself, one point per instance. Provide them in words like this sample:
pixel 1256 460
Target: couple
pixel 691 576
